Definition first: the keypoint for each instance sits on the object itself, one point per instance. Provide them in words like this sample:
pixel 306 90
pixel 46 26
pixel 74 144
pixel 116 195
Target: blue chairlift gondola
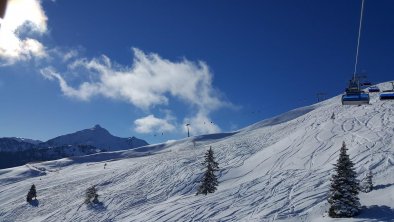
pixel 387 94
pixel 373 89
pixel 353 95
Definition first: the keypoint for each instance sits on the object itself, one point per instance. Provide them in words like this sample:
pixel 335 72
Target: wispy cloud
pixel 23 18
pixel 201 124
pixel 149 82
pixel 84 92
pixel 71 54
pixel 151 124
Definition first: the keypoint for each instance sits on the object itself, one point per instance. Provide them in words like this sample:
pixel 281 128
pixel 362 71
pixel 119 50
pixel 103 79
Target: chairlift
pixel 373 89
pixel 353 94
pixel 387 94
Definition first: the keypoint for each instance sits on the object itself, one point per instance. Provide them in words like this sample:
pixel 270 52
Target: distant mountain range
pixel 15 151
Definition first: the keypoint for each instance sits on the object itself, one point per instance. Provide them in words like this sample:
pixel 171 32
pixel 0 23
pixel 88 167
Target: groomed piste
pixel 278 169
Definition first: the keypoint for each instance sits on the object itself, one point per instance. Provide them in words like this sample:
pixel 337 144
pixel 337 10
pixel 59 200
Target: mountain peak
pixel 97 126
pixel 98 137
pixel 96 129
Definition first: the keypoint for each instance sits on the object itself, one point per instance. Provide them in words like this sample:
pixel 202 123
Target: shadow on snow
pixel 98 206
pixel 34 203
pixel 375 212
pixel 383 186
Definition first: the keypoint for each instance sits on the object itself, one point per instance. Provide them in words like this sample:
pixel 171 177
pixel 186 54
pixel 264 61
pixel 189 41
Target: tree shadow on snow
pixel 383 186
pixel 34 203
pixel 214 136
pixel 380 213
pixel 97 206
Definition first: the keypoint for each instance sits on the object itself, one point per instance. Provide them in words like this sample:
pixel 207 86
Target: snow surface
pixel 275 170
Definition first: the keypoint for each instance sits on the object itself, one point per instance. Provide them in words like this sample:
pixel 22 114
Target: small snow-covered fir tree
pixel 367 185
pixel 31 194
pixel 91 195
pixel 209 181
pixel 333 116
pixel 343 194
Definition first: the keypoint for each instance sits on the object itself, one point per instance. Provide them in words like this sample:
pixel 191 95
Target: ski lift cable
pixel 358 39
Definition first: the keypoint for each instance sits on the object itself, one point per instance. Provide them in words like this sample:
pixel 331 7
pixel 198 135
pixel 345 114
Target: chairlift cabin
pixel 353 94
pixel 387 94
pixel 373 89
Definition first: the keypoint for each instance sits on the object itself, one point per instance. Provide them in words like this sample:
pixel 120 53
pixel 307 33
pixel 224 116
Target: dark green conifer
pixel 343 195
pixel 91 195
pixel 209 181
pixel 31 194
pixel 367 185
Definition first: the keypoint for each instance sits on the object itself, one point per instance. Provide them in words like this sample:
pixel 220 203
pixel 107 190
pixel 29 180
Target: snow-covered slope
pixel 278 169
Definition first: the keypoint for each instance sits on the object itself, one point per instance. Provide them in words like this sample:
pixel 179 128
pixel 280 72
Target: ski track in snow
pixel 275 170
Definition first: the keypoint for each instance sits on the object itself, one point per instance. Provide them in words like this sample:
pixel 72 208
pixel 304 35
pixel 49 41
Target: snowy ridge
pixel 10 144
pixel 19 139
pixel 278 169
pixel 97 137
pixel 18 151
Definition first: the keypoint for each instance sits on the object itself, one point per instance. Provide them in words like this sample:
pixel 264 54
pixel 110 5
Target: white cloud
pixel 150 124
pixel 151 81
pixel 201 124
pixel 70 55
pixel 83 93
pixel 22 17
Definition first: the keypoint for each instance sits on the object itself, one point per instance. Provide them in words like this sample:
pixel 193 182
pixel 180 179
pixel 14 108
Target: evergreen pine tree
pixel 343 195
pixel 91 195
pixel 209 181
pixel 367 183
pixel 31 194
pixel 333 116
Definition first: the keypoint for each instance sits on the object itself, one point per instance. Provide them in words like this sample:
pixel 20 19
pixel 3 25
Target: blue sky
pixel 145 68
